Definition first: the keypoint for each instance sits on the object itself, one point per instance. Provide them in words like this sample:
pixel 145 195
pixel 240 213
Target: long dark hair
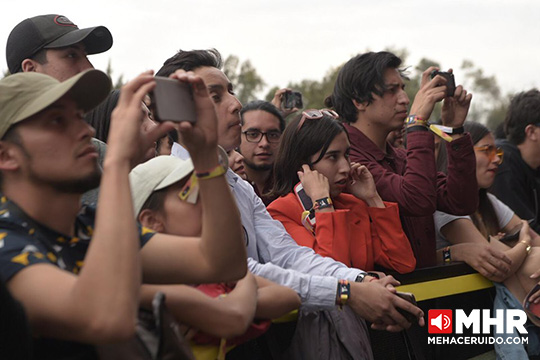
pixel 485 218
pixel 298 146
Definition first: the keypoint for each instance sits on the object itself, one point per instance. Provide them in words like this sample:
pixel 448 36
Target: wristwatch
pixel 361 276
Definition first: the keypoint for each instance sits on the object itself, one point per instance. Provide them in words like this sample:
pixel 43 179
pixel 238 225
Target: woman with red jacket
pixel 312 172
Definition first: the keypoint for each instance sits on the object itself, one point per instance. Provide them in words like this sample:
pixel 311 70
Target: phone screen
pixel 172 100
pixel 307 204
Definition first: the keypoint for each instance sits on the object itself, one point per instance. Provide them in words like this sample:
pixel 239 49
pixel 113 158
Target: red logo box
pixel 440 321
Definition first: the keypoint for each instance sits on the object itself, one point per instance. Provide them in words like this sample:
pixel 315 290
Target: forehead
pixel 212 76
pixel 392 76
pixel 486 140
pixel 260 119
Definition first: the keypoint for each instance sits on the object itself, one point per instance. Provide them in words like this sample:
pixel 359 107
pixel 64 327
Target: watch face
pixel 360 277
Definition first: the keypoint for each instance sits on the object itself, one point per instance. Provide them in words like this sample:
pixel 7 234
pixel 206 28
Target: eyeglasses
pixel 255 136
pixel 314 114
pixel 491 151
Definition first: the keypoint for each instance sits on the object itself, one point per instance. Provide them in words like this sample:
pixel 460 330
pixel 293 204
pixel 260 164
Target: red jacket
pixel 354 234
pixel 409 178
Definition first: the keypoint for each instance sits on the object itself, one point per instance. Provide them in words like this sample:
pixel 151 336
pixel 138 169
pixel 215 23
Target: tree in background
pixel 247 83
pixel 119 81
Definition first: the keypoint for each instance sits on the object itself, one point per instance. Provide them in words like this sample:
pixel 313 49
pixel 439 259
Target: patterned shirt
pixel 25 242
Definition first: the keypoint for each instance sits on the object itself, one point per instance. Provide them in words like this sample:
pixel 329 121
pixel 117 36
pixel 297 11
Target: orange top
pixel 354 234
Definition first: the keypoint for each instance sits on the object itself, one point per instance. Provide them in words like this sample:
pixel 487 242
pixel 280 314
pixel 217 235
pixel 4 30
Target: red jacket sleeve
pixel 330 237
pixel 391 247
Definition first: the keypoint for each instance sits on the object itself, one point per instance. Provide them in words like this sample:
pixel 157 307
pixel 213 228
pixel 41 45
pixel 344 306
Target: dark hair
pixel 191 60
pixel 100 117
pixel 172 137
pixel 40 56
pixel 524 110
pixel 297 147
pixel 264 106
pixel 360 78
pixel 155 201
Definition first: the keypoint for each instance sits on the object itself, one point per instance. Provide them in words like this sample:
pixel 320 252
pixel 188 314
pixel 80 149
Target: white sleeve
pixel 504 213
pixel 441 219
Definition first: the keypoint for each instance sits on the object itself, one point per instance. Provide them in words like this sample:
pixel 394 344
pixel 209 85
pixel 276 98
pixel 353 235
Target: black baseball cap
pixel 50 32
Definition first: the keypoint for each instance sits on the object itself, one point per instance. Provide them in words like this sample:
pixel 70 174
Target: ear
pixel 361 106
pixel 8 156
pixel 152 220
pixel 530 132
pixel 29 65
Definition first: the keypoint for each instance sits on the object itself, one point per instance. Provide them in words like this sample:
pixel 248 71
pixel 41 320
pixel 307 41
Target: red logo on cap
pixel 440 321
pixel 63 21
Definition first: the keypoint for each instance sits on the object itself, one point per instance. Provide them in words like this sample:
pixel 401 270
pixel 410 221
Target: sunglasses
pixel 314 114
pixel 491 151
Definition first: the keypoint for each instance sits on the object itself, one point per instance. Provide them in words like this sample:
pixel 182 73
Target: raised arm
pixel 100 304
pixel 219 254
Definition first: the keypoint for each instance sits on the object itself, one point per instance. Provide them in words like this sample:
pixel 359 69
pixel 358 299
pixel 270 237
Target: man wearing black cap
pixel 53 45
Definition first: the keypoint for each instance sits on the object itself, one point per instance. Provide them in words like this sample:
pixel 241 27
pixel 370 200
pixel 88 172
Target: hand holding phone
pixel 410 298
pixel 291 100
pixel 172 100
pixel 450 81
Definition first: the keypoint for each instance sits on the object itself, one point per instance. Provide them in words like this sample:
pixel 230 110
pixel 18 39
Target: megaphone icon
pixel 437 322
pixel 441 322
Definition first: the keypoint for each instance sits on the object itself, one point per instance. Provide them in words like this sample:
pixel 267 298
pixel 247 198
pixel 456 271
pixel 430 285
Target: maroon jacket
pixel 409 177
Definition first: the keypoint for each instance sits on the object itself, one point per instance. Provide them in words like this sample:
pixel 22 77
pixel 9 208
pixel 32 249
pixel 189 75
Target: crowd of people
pixel 249 213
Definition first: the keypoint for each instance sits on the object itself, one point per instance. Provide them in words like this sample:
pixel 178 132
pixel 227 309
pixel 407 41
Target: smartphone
pixel 410 298
pixel 513 234
pixel 306 202
pixel 450 82
pixel 291 100
pixel 172 100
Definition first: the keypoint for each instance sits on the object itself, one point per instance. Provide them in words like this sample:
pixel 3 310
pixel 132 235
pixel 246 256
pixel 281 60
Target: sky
pixel 292 40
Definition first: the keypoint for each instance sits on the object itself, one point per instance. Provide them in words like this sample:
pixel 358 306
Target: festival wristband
pixel 449 130
pixel 437 131
pixel 415 120
pixel 343 292
pixel 322 203
pixel 218 170
pixel 447 257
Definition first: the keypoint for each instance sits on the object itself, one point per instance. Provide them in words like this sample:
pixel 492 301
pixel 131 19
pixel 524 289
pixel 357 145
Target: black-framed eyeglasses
pixel 255 136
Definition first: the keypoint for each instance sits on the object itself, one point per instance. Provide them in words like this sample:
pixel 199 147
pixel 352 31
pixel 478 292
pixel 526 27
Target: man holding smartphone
pixel 272 253
pixel 373 106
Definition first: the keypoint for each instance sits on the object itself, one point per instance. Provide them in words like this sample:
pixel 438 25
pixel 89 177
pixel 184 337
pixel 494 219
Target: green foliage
pixel 314 92
pixel 119 81
pixel 245 78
